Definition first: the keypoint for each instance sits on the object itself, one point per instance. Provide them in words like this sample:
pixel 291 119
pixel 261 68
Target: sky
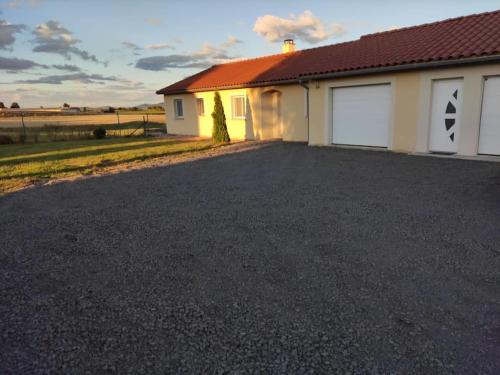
pixel 97 53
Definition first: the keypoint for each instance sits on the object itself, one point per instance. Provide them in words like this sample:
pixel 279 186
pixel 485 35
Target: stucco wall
pixel 405 94
pixel 292 126
pixel 192 124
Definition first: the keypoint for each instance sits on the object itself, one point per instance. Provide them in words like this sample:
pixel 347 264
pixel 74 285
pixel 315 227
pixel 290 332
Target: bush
pixel 6 139
pixel 21 138
pixel 219 130
pixel 99 133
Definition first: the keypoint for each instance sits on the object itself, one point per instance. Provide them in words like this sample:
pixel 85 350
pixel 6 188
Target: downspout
pixel 306 87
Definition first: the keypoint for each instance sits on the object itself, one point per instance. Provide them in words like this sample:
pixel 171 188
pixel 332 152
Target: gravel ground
pixel 285 259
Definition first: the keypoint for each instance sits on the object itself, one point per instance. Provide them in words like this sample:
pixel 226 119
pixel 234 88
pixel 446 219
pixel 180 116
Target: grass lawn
pixel 27 164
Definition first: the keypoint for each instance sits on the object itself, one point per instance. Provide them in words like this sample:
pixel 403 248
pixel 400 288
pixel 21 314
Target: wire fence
pixel 20 129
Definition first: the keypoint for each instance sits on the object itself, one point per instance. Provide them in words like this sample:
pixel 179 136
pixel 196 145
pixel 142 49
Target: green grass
pixel 26 164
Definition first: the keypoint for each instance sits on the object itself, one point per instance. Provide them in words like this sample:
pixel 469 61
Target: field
pixel 28 164
pixel 66 119
pixel 71 127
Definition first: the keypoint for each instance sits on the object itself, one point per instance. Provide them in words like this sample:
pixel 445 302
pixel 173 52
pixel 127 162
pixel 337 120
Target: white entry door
pixel 489 134
pixel 362 115
pixel 446 115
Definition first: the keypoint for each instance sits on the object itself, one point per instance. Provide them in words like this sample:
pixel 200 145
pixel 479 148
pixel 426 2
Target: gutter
pixel 306 87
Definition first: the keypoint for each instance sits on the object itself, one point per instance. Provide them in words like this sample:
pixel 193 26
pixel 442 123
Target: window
pixel 200 106
pixel 238 107
pixel 178 108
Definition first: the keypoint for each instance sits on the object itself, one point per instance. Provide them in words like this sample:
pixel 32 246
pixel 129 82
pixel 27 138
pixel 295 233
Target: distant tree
pixel 219 130
pixel 111 110
pixel 15 105
pixel 65 105
pixel 2 105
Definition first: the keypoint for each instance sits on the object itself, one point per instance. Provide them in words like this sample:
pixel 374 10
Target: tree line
pixel 13 105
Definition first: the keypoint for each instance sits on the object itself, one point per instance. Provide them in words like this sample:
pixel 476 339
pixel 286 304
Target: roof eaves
pixel 228 87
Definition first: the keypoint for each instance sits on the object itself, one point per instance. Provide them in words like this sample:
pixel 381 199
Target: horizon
pixel 49 55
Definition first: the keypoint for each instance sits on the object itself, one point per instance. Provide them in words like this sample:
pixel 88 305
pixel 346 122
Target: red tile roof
pixel 453 39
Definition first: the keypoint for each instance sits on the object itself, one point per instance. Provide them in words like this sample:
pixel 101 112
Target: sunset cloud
pixel 14 64
pixel 206 56
pixel 78 77
pixel 7 34
pixel 305 27
pixel 159 46
pixel 131 46
pixel 52 37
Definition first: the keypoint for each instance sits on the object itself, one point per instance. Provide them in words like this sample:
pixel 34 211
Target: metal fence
pixel 65 127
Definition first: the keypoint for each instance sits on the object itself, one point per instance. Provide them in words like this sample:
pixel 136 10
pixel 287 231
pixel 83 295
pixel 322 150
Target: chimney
pixel 288 46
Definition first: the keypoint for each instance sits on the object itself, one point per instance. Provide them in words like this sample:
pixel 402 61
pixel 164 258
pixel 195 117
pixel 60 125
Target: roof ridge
pixel 428 24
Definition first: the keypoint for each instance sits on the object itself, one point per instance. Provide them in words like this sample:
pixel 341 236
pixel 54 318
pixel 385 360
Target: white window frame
pixel 198 100
pixel 177 116
pixel 233 112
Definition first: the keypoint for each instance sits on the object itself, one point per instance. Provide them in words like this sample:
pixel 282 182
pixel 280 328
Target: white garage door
pixel 446 115
pixel 489 135
pixel 362 115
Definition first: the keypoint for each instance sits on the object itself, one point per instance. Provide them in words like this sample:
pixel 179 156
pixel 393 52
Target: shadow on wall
pixel 271 125
pixel 249 123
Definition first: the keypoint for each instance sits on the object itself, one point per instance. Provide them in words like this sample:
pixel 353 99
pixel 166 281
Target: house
pixel 71 109
pixel 428 88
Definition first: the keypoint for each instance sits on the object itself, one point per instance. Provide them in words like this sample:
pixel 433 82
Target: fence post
pixel 24 126
pixel 118 117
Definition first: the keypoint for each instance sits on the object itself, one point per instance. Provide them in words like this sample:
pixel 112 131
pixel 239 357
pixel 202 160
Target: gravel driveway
pixel 285 259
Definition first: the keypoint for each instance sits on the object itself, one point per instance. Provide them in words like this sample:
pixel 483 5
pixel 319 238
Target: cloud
pixel 67 67
pixel 131 46
pixel 306 27
pixel 389 28
pixel 231 42
pixel 14 64
pixel 7 34
pixel 159 46
pixel 15 4
pixel 77 77
pixel 96 95
pixel 158 63
pixel 136 47
pixel 154 21
pixel 129 85
pixel 52 37
pixel 206 56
